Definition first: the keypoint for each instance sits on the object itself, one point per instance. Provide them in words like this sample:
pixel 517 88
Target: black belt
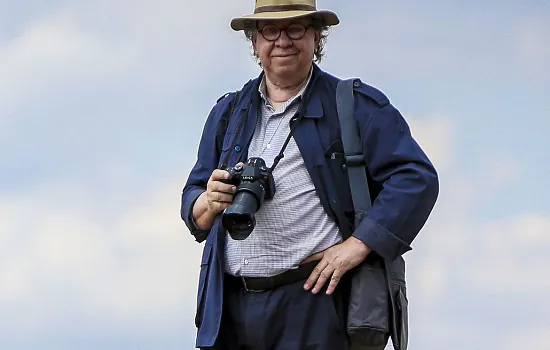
pixel 260 284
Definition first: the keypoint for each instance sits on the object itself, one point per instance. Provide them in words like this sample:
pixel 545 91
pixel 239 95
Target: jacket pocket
pixel 338 171
pixel 203 281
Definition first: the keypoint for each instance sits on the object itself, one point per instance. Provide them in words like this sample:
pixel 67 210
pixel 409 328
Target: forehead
pixel 284 22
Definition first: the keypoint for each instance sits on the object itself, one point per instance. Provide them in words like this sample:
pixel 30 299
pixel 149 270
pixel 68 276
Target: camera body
pixel 255 184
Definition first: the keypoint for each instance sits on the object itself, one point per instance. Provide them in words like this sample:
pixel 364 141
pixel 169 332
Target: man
pixel 283 287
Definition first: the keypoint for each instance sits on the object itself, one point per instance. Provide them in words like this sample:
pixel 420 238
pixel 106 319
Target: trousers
pixel 284 318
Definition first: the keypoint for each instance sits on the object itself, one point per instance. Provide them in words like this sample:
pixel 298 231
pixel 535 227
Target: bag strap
pixel 353 149
pixel 356 169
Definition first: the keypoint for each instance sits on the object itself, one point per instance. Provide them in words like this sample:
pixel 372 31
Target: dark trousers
pixel 285 318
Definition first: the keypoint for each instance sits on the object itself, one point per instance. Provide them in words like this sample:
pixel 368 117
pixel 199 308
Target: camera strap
pixel 294 123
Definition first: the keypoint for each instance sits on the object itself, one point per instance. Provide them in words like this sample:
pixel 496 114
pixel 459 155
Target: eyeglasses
pixel 295 31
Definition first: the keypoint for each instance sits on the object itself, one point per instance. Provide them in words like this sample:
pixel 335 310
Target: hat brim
pixel 329 18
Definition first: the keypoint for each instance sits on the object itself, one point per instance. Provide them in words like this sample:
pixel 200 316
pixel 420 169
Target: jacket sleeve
pixel 409 182
pixel 207 160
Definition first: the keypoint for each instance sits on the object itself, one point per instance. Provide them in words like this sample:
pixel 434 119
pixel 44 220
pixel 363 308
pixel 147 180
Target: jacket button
pixel 237 148
pixel 357 83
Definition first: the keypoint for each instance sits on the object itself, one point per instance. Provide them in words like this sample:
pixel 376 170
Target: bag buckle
pixel 355 159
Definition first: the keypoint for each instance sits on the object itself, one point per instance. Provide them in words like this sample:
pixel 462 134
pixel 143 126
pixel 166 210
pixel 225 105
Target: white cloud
pixel 538 338
pixel 505 254
pixel 90 46
pixel 435 136
pixel 137 273
pixel 531 39
pixel 512 256
pixel 457 253
pixel 124 261
pixel 54 52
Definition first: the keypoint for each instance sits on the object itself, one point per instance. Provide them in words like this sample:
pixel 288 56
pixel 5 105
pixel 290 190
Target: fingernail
pixel 306 286
pixel 314 291
pixel 233 188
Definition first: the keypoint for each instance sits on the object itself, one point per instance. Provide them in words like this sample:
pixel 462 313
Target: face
pixel 285 57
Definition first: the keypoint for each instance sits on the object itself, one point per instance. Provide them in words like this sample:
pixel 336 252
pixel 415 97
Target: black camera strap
pixel 290 134
pixel 294 123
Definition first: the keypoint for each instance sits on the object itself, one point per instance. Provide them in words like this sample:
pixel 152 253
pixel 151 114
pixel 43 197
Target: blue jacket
pixel 403 182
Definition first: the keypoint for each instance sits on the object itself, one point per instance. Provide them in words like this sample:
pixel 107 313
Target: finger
pixel 335 279
pixel 325 274
pixel 221 197
pixel 317 256
pixel 219 174
pixel 217 186
pixel 219 206
pixel 315 274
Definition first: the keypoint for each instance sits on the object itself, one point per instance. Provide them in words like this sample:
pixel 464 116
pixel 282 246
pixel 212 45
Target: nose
pixel 283 40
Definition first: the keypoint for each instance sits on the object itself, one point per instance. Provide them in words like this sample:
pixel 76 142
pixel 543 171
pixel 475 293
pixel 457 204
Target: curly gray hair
pixel 317 24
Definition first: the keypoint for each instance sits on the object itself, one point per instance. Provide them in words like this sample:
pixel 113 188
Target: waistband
pixel 261 284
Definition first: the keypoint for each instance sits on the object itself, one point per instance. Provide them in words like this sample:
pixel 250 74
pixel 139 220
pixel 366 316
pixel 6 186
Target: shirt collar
pixel 263 92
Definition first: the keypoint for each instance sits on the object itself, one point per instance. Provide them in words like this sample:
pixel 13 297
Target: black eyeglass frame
pixel 285 29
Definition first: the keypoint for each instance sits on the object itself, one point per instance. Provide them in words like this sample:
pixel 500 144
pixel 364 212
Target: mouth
pixel 285 55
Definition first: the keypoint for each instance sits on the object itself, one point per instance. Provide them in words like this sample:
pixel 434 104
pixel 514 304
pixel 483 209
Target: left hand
pixel 335 261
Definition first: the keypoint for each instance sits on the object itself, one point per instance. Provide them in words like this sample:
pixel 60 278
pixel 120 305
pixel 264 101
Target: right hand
pixel 219 195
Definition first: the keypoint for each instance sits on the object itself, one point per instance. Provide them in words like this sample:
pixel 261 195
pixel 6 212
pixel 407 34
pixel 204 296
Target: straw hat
pixel 285 9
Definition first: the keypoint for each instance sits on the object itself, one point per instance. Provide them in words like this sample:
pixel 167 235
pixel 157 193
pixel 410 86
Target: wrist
pixel 202 215
pixel 360 243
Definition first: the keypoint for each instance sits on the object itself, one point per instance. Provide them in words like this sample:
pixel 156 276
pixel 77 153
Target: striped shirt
pixel 293 225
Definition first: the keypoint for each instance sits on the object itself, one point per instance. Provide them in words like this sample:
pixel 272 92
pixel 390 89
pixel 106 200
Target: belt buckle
pixel 250 290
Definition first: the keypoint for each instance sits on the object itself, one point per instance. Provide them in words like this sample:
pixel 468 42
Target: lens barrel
pixel 239 218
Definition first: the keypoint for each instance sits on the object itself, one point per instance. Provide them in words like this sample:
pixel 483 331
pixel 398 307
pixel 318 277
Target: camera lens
pixel 239 226
pixel 239 219
pixel 254 183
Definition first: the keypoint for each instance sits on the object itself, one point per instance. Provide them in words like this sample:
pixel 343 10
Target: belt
pixel 261 284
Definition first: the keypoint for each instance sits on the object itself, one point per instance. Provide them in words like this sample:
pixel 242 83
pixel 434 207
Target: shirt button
pixel 246 261
pixel 237 148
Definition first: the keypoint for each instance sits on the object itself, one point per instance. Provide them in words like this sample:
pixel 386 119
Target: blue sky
pixel 102 105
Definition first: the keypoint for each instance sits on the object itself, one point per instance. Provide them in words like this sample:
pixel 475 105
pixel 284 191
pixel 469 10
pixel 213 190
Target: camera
pixel 254 183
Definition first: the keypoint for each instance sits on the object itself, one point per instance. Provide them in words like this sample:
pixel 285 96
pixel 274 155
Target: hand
pixel 335 261
pixel 219 195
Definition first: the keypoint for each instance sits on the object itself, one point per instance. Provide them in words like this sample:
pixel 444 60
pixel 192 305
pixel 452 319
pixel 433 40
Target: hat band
pixel 280 8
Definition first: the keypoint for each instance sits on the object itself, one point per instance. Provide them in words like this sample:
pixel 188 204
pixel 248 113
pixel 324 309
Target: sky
pixel 102 105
